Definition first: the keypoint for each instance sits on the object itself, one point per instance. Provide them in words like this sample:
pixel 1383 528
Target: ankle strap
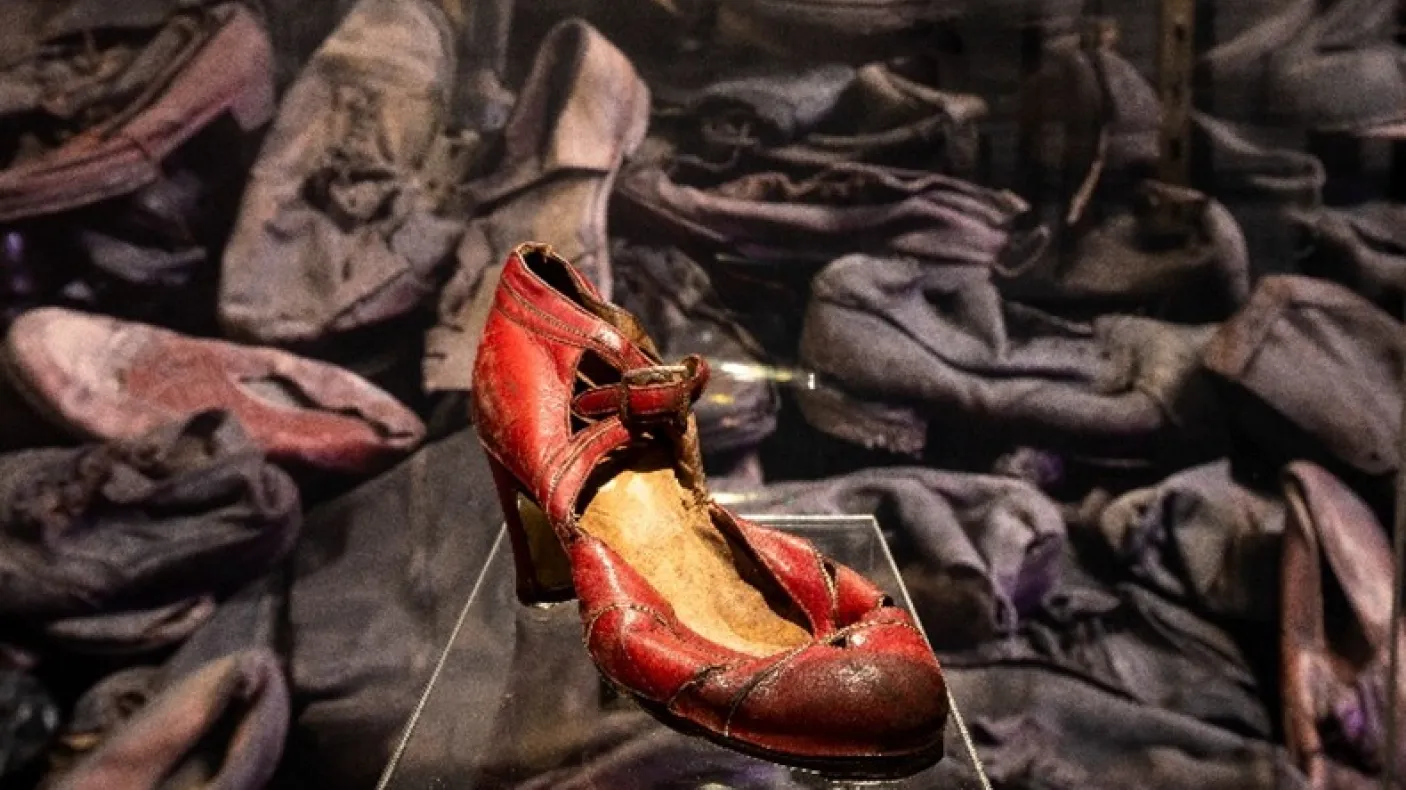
pixel 649 395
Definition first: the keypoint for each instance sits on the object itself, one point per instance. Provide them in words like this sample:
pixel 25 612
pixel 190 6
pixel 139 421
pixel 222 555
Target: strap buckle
pixel 648 395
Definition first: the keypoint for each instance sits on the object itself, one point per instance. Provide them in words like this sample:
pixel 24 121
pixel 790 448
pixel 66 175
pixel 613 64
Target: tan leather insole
pixel 651 520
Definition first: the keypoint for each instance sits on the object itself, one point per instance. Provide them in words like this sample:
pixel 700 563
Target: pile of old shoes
pixel 1129 428
pixel 581 112
pixel 1322 66
pixel 896 345
pixel 154 475
pixel 126 135
pixel 341 222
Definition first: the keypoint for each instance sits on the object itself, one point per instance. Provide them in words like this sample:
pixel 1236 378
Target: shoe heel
pixel 543 569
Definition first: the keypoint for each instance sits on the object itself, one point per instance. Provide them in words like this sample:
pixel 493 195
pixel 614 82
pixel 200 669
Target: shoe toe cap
pixel 869 695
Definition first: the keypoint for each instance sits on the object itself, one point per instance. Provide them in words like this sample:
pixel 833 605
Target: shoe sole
pixel 871 424
pixel 867 768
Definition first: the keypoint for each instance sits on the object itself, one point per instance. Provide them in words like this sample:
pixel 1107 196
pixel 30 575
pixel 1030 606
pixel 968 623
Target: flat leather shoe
pixel 1336 632
pixel 719 627
pixel 110 379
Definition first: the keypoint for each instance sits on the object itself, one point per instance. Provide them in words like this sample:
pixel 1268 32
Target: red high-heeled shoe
pixel 719 627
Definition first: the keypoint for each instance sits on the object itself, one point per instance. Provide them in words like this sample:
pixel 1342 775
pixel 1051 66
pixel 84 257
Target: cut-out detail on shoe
pixel 549 561
pixel 592 371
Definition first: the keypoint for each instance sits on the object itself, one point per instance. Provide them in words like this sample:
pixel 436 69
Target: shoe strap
pixel 647 395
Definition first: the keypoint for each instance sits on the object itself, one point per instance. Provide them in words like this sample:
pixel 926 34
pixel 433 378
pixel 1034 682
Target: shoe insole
pixel 651 520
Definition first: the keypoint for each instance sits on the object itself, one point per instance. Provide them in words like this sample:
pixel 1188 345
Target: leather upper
pixel 115 379
pixel 230 72
pixel 1334 672
pixel 867 684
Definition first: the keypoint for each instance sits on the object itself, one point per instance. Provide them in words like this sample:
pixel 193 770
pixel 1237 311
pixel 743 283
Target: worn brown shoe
pixel 340 225
pixel 109 379
pixel 214 62
pixel 1336 632
pixel 582 111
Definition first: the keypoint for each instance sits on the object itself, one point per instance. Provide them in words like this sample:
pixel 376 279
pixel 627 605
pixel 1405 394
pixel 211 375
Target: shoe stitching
pixel 539 313
pixel 765 675
pixel 635 607
pixel 697 680
pixel 580 443
pixel 591 341
pixel 857 627
pixel 546 332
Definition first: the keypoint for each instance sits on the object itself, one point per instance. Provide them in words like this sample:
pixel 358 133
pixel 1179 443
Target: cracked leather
pixel 220 65
pixel 100 541
pixel 832 697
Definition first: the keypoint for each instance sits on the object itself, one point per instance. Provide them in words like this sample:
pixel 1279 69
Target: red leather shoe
pixel 719 627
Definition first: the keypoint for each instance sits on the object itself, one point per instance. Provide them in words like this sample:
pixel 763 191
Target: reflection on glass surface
pixel 517 703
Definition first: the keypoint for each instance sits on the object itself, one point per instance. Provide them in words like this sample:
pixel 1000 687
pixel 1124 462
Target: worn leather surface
pixel 845 208
pixel 220 728
pixel 1317 374
pixel 582 111
pixel 829 114
pixel 1336 632
pixel 107 378
pixel 228 72
pixel 1201 538
pixel 1362 247
pixel 1292 67
pixel 901 344
pixel 866 685
pixel 96 542
pixel 340 225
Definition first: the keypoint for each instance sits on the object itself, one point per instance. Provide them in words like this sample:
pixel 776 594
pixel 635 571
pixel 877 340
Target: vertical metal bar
pixel 1175 67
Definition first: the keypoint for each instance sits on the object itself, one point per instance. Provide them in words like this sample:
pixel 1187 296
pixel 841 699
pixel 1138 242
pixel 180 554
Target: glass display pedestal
pixel 515 702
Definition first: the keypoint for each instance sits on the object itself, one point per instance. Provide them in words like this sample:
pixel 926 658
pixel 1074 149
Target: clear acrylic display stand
pixel 515 702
